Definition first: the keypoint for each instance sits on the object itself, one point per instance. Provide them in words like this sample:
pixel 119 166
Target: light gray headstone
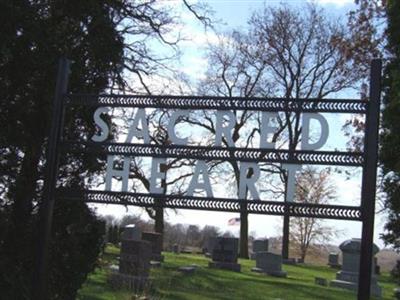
pixel 333 259
pixel 270 263
pixel 260 245
pixel 349 274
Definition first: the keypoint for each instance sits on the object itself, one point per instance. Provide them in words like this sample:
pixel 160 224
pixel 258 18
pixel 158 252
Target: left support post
pixel 40 275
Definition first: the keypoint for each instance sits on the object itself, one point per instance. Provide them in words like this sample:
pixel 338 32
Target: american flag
pixel 234 221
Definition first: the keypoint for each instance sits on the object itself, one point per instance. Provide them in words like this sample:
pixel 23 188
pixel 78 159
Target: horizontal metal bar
pixel 338 212
pixel 220 103
pixel 219 153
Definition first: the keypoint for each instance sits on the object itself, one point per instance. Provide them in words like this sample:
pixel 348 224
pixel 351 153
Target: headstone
pixel 321 281
pixel 131 232
pixel 187 269
pixel 155 264
pixel 135 257
pixel 348 276
pixel 377 267
pixel 300 260
pixel 396 293
pixel 289 261
pixel 259 246
pixel 209 246
pixel 257 270
pixel 114 268
pixel 269 263
pixel 333 260
pixel 175 249
pixel 134 262
pixel 224 254
pixel 155 240
pixel 377 270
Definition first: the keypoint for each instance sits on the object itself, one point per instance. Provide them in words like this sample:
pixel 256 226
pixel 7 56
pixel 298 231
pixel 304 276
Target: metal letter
pixel 305 135
pixel 291 183
pixel 171 127
pixel 111 172
pixel 200 169
pixel 104 130
pixel 134 131
pixel 156 173
pixel 267 129
pixel 247 181
pixel 221 130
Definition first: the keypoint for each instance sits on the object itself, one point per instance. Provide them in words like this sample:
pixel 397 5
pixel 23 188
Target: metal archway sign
pixel 367 160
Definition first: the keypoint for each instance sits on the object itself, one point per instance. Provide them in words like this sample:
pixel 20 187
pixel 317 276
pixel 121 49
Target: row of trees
pixel 180 234
pixel 390 139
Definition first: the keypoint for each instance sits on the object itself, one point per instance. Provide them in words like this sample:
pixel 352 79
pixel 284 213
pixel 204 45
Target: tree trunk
pixel 244 228
pixel 159 222
pixel 303 254
pixel 25 187
pixel 159 210
pixel 285 237
pixel 18 242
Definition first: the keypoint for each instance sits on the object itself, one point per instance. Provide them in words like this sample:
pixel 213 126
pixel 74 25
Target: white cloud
pixel 334 2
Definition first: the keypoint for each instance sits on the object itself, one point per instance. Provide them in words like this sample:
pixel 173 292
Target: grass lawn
pixel 207 283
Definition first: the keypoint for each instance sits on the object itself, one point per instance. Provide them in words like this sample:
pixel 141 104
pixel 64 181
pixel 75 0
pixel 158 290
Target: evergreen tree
pixel 105 40
pixel 390 139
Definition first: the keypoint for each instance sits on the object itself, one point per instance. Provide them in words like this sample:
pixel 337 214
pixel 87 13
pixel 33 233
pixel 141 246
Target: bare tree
pixel 313 187
pixel 283 54
pixel 177 171
pixel 144 26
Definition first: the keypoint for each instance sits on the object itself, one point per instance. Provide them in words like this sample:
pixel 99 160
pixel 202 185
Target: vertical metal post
pixel 368 190
pixel 40 276
pixel 286 222
pixel 285 237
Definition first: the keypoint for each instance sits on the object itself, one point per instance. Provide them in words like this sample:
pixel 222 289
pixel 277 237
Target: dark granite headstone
pixel 187 269
pixel 155 240
pixel 333 260
pixel 135 257
pixel 224 254
pixel 396 293
pixel 321 281
pixel 175 249
pixel 377 267
pixel 131 232
pixel 134 262
pixel 209 246
pixel 225 250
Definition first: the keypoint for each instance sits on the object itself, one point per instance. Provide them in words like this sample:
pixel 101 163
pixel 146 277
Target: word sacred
pixel 224 124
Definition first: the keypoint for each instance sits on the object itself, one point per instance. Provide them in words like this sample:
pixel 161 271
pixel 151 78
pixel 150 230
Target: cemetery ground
pixel 206 283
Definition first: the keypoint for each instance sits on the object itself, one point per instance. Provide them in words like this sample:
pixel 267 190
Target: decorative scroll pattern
pixel 218 153
pixel 218 204
pixel 221 103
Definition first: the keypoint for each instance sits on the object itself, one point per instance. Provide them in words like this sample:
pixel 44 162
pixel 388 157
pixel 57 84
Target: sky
pixel 233 14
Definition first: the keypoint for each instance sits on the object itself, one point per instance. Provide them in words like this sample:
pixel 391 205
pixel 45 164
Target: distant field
pixel 218 284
